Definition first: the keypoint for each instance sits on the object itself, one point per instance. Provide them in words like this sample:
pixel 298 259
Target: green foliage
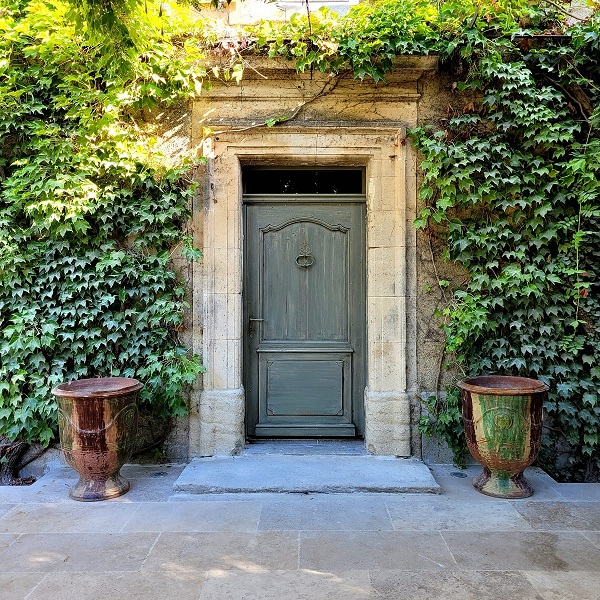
pixel 365 41
pixel 443 418
pixel 123 28
pixel 89 219
pixel 514 184
pixel 371 35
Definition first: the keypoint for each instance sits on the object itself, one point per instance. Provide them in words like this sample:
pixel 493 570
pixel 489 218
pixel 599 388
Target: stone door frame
pixel 218 402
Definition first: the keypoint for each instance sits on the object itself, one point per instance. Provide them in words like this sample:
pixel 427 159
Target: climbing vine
pixel 89 218
pixel 511 182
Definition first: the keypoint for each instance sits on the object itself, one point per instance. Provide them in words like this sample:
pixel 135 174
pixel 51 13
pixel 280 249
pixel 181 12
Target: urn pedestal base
pixel 91 490
pixel 502 485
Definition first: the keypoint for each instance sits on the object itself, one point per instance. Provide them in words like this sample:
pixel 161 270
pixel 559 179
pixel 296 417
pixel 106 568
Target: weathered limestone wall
pixel 336 122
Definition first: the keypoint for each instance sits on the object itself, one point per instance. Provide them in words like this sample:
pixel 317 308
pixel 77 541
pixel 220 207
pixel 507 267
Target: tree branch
pixel 563 10
pixel 326 89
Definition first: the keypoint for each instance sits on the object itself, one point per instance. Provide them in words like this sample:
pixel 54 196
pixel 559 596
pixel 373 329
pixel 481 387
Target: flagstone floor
pixel 154 544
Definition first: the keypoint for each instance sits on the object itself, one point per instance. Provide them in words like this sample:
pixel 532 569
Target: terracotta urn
pixel 503 424
pixel 97 422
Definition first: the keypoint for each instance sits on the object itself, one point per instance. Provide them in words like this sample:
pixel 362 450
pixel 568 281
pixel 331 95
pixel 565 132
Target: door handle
pixel 251 325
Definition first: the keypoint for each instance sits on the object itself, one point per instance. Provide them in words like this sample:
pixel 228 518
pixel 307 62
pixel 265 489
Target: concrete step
pixel 254 473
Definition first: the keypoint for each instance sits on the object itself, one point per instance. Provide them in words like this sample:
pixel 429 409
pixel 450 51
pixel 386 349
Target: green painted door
pixel 304 316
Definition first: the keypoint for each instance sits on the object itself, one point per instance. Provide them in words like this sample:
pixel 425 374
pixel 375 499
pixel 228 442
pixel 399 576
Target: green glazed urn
pixel 502 416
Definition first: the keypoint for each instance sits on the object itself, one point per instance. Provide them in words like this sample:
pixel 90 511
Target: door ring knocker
pixel 305 259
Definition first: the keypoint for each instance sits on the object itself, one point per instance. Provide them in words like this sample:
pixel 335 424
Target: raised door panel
pixel 304 281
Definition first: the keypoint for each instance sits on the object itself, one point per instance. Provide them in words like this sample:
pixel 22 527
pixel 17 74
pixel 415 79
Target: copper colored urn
pixel 503 424
pixel 97 423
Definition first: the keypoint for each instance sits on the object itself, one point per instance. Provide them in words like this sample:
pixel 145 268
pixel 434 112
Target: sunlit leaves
pixel 89 217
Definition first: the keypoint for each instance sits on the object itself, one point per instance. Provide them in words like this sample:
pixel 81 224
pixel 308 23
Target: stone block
pixel 234 233
pixel 234 363
pixel 385 229
pixel 389 407
pixel 386 366
pixel 387 423
pixel 215 263
pixel 387 320
pixel 221 422
pixel 386 271
pixel 392 197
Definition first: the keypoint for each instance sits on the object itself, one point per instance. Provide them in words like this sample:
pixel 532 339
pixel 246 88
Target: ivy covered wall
pixel 511 187
pixel 91 215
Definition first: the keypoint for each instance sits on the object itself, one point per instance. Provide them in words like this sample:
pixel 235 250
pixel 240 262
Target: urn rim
pixel 98 387
pixel 503 385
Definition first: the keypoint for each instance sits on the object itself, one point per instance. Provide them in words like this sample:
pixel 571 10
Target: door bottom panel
pixel 302 392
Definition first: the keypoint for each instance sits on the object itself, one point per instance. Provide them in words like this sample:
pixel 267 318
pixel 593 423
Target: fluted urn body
pixel 97 423
pixel 502 416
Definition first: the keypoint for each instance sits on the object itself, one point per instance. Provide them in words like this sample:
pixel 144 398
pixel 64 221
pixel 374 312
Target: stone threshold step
pixel 305 474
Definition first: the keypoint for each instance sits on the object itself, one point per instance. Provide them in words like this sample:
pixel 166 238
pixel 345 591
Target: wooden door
pixel 304 316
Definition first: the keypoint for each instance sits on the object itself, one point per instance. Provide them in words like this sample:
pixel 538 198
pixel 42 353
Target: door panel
pixel 305 318
pixel 321 382
pixel 305 266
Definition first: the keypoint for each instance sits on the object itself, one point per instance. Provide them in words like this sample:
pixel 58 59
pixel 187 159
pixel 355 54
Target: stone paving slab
pixel 263 551
pixel 341 550
pixel 594 537
pixel 6 540
pixel 46 552
pixel 571 585
pixel 249 473
pixel 134 585
pixel 149 483
pixel 153 543
pixel 302 584
pixel 561 515
pixel 216 516
pixel 16 586
pixel 445 514
pixel 67 518
pixel 580 492
pixel 52 487
pixel 324 512
pixel 452 585
pixel 531 551
pixel 4 508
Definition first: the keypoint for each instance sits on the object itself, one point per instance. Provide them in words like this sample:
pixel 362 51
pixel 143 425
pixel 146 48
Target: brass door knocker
pixel 305 259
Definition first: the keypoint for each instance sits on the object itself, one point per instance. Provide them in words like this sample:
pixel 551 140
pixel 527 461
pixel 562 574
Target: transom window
pixel 261 180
